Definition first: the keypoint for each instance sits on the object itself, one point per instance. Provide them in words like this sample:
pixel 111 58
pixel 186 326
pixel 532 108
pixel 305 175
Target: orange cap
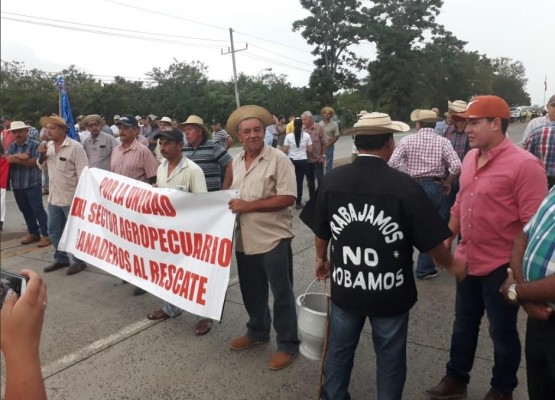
pixel 485 107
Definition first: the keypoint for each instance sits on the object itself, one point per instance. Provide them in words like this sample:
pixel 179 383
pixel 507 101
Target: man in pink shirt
pixel 501 187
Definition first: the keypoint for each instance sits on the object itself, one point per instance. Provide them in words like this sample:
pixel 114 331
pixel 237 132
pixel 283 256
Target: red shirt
pixel 495 202
pixel 7 139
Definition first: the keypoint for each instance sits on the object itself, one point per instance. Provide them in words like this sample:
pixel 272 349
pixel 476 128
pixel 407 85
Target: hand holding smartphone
pixel 11 281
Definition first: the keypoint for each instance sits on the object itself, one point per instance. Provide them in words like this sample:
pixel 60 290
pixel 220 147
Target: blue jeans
pixel 300 170
pixel 540 358
pixel 57 218
pixel 29 201
pixel 273 269
pixel 449 200
pixel 314 172
pixel 474 295
pixel 329 158
pixel 434 191
pixel 389 336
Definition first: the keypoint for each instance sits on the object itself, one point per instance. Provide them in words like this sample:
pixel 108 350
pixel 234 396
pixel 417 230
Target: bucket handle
pixel 312 283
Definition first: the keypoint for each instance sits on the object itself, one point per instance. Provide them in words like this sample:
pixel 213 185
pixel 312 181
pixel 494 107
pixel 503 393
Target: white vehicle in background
pixel 517 114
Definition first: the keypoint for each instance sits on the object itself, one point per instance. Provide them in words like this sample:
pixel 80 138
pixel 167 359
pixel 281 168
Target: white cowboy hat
pixel 375 123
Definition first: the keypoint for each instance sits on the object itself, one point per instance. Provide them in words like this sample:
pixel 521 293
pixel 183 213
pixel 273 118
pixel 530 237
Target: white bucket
pixel 312 322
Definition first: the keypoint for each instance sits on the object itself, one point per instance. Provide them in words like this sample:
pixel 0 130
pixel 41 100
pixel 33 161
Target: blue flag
pixel 65 107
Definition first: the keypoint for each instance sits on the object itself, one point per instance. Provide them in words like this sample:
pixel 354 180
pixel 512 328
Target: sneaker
pixel 30 238
pixel 429 275
pixel 44 242
pixel 245 342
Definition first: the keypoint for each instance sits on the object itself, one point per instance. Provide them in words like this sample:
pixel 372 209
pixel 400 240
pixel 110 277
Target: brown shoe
pixel 30 238
pixel 157 314
pixel 44 242
pixel 281 360
pixel 203 326
pixel 76 267
pixel 56 265
pixel 245 342
pixel 495 394
pixel 448 389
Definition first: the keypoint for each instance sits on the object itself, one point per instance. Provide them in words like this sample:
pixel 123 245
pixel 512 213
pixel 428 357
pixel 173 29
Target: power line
pixel 115 29
pixel 165 15
pixel 271 61
pixel 281 55
pixel 144 38
pixel 274 42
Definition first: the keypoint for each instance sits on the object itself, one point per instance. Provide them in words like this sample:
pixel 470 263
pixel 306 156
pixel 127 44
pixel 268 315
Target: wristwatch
pixel 511 293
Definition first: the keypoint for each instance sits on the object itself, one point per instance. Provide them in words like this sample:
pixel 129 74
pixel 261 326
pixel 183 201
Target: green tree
pixel 332 27
pixel 509 81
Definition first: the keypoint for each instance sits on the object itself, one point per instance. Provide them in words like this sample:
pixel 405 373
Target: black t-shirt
pixel 373 215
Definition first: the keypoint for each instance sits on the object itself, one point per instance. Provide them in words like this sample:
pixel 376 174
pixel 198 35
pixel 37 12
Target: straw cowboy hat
pixel 424 116
pixel 361 113
pixel 375 123
pixel 16 125
pixel 92 118
pixel 457 106
pixel 196 120
pixel 248 112
pixel 53 120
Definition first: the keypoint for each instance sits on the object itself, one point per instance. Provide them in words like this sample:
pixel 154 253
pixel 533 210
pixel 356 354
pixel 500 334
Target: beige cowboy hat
pixel 424 116
pixel 165 119
pixel 16 125
pixel 361 113
pixel 53 120
pixel 196 120
pixel 457 106
pixel 248 112
pixel 375 123
pixel 91 118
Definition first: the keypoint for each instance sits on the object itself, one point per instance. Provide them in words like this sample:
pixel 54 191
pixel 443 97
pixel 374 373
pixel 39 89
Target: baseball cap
pixel 215 121
pixel 485 107
pixel 128 120
pixel 174 134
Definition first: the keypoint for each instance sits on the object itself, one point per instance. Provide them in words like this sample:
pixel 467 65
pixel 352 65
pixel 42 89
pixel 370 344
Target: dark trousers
pixel 476 294
pixel 314 172
pixel 540 359
pixel 273 269
pixel 29 201
pixel 300 170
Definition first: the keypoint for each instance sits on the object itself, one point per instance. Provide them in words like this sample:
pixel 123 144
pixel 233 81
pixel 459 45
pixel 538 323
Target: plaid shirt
pixel 539 258
pixel 425 154
pixel 541 143
pixel 21 176
pixel 459 141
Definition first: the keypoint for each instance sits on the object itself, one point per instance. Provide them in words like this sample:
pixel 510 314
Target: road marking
pixel 100 345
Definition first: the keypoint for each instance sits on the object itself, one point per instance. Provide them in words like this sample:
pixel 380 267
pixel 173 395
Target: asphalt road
pixel 98 344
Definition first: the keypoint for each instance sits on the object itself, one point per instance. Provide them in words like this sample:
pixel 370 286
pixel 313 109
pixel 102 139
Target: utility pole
pixel 233 51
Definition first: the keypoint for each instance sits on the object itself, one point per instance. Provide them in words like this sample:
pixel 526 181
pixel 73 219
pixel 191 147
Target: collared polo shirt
pixel 318 138
pixel 494 203
pixel 21 176
pixel 271 174
pixel 136 162
pixel 64 170
pixel 186 174
pixel 99 150
pixel 211 157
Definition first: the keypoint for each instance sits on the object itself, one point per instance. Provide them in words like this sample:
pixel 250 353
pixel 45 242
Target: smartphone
pixel 16 282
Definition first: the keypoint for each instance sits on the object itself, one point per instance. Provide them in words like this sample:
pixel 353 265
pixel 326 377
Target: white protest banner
pixel 175 245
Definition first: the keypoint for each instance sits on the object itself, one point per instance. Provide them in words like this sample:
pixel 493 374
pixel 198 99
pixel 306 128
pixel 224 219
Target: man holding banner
pixel 178 172
pixel 265 179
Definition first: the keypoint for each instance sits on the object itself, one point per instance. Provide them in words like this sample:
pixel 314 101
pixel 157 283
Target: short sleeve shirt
pixel 271 174
pixel 99 150
pixel 136 162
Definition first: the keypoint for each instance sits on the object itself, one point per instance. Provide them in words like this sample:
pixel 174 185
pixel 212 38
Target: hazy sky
pixel 519 30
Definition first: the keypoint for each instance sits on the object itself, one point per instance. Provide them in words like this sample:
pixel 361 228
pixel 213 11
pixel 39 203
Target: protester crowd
pixel 464 184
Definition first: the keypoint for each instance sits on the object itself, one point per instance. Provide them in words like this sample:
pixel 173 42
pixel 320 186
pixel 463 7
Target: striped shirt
pixel 539 258
pixel 534 124
pixel 220 137
pixel 136 162
pixel 541 143
pixel 211 157
pixel 426 154
pixel 64 169
pixel 459 141
pixel 21 176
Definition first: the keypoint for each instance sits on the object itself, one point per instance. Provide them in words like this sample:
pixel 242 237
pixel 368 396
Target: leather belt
pixel 429 179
